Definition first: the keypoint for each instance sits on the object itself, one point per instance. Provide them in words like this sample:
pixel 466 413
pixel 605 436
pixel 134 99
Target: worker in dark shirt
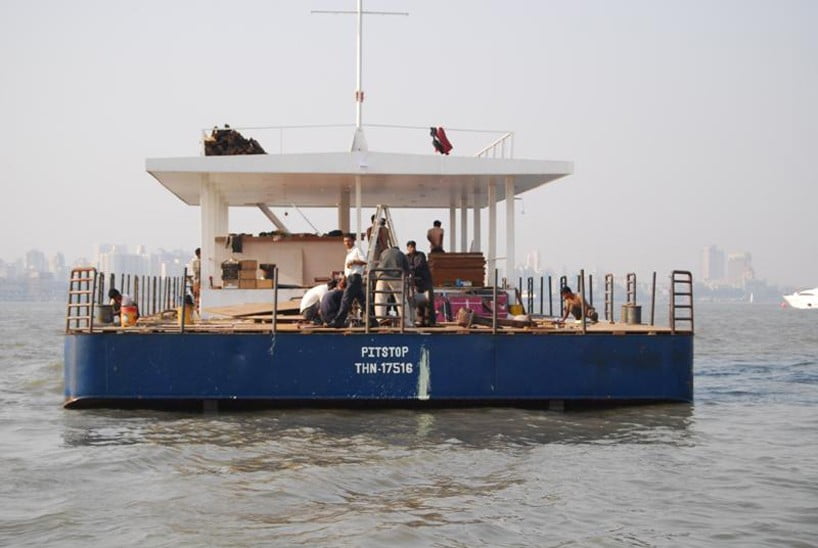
pixel 421 278
pixel 331 303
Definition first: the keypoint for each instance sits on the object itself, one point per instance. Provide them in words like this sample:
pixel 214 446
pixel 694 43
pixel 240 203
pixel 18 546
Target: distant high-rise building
pixel 532 261
pixel 36 261
pixel 739 268
pixel 115 259
pixel 712 264
pixel 57 266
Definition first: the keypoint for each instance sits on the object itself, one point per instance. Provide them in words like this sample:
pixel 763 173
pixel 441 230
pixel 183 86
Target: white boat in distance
pixel 807 298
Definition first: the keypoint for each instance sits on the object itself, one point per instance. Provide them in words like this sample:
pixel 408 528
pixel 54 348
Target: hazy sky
pixel 689 122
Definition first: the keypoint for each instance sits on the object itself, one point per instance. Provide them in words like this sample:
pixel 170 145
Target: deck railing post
pixel 275 300
pixel 404 307
pixel 183 309
pixel 672 304
pixel 101 292
pixel 581 283
pixel 563 283
pixel 92 312
pixel 136 290
pixel 550 297
pixel 530 299
pixel 368 302
pixel 494 306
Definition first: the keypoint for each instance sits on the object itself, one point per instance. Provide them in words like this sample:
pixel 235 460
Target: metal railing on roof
pixel 303 138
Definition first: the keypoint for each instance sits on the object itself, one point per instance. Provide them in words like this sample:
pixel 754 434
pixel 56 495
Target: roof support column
pixel 343 211
pixel 452 228
pixel 476 223
pixel 358 207
pixel 214 220
pixel 509 227
pixel 492 251
pixel 464 223
pixel 476 219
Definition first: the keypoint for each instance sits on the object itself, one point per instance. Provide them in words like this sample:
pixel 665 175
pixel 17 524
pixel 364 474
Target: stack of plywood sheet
pixel 447 268
pixel 248 272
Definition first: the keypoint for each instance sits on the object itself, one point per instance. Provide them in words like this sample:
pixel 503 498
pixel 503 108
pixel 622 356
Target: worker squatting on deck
pixel 573 304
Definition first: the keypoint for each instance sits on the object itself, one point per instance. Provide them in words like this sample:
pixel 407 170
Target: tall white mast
pixel 359 142
pixel 359 90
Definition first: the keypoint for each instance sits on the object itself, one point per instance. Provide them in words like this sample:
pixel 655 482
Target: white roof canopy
pixel 319 179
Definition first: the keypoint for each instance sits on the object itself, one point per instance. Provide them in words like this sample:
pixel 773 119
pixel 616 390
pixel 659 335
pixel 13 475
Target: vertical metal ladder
pixel 609 297
pixel 630 289
pixel 82 288
pixel 681 298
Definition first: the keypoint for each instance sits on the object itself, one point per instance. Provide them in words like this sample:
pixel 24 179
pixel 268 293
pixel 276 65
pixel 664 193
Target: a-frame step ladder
pixel 391 239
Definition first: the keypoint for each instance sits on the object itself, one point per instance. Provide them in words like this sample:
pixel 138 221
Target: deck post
pixel 550 297
pixel 494 304
pixel 183 309
pixel 509 226
pixel 582 299
pixel 275 300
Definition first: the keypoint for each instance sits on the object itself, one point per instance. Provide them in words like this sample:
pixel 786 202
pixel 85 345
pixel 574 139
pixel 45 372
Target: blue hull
pixel 379 369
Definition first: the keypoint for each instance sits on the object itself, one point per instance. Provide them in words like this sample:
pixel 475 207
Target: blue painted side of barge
pixel 356 367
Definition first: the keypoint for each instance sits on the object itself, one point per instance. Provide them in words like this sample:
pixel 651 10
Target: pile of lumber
pixel 229 142
pixel 447 268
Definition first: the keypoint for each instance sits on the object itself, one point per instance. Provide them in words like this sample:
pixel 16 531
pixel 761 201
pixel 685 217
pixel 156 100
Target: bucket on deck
pixel 128 315
pixel 631 314
pixel 188 311
pixel 516 309
pixel 105 313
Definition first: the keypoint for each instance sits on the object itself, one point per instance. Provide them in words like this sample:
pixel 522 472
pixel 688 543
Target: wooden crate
pixel 447 268
pixel 247 284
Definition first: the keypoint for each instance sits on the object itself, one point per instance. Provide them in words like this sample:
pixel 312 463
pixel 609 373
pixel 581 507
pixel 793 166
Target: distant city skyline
pixel 714 267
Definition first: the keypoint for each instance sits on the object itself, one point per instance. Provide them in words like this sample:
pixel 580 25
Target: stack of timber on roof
pixel 229 142
pixel 447 268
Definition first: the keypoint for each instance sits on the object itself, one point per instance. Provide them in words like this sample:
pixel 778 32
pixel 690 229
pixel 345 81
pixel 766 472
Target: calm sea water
pixel 739 467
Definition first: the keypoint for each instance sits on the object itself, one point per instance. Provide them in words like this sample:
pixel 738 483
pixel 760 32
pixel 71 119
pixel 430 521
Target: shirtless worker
pixel 573 305
pixel 435 237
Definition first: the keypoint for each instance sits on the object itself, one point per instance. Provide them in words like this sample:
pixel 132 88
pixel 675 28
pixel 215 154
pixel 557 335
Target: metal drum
pixel 631 314
pixel 105 313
